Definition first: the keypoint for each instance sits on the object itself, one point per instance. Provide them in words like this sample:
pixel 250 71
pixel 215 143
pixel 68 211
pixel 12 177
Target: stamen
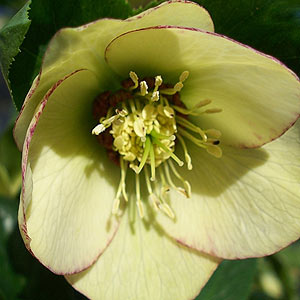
pixel 160 136
pixel 179 189
pixel 132 106
pixel 169 112
pixel 165 188
pixel 143 88
pixel 186 154
pixel 186 184
pixel 139 128
pixel 121 188
pixel 135 80
pixel 123 178
pixel 167 210
pixel 155 201
pixel 167 150
pixel 192 112
pixel 213 110
pixel 98 129
pixel 193 139
pixel 155 96
pixel 138 196
pixel 214 133
pixel 107 122
pixel 210 147
pixel 158 82
pixel 152 162
pixel 178 86
pixel 214 150
pixel 153 198
pixel 185 123
pixel 184 75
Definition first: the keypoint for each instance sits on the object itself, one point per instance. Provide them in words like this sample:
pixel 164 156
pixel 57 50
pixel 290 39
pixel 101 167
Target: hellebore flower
pixel 165 91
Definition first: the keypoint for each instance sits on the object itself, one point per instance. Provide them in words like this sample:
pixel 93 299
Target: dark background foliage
pixel 271 26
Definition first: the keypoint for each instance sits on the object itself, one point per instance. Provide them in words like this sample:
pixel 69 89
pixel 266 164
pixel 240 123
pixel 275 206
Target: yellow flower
pixel 151 229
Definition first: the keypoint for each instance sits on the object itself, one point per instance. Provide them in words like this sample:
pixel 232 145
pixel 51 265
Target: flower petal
pixel 260 97
pixel 143 263
pixel 245 204
pixel 83 47
pixel 65 211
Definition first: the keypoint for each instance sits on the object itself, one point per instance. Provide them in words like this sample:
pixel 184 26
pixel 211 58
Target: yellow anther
pixel 143 88
pixel 214 150
pixel 155 96
pixel 178 86
pixel 98 129
pixel 155 201
pixel 167 210
pixel 202 103
pixel 214 133
pixel 135 80
pixel 184 75
pixel 213 110
pixel 139 128
pixel 169 111
pixel 158 81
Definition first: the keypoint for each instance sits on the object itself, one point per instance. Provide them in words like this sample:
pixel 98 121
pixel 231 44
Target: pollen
pixel 140 126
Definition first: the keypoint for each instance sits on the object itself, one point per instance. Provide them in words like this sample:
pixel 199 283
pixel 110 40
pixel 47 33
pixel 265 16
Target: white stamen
pixel 98 129
pixel 155 96
pixel 143 88
pixel 158 81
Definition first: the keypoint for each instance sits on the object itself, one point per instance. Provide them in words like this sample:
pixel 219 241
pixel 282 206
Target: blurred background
pixel 21 277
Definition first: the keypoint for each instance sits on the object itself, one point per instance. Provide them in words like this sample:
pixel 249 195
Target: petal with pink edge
pixel 245 204
pixel 65 211
pixel 143 263
pixel 260 97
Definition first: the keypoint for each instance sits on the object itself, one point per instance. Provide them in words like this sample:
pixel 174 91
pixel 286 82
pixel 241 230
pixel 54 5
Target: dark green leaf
pixel 11 38
pixel 232 281
pixel 10 282
pixel 41 284
pixel 48 16
pixel 271 26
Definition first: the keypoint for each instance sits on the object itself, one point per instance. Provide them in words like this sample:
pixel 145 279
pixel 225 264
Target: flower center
pixel 140 126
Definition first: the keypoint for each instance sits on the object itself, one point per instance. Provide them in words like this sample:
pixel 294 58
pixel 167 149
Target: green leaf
pixel 10 165
pixel 11 38
pixel 11 283
pixel 231 281
pixel 271 26
pixel 48 16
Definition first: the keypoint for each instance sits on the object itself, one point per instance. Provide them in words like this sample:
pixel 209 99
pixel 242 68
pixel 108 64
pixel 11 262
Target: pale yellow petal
pixel 65 211
pixel 143 263
pixel 245 204
pixel 258 96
